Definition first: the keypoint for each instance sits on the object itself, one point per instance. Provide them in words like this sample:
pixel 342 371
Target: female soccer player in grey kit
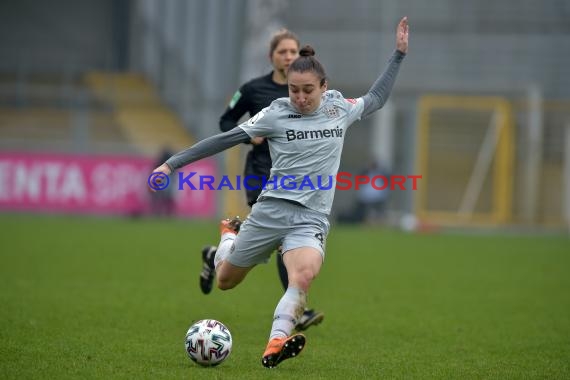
pixel 251 98
pixel 305 134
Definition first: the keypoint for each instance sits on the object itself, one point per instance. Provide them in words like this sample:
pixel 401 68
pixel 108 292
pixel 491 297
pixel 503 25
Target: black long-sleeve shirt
pixel 251 98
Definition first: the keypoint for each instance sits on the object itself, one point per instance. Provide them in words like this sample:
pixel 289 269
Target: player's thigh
pixel 306 261
pixel 231 275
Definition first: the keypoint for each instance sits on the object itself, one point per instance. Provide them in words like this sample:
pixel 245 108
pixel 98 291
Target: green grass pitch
pixel 110 298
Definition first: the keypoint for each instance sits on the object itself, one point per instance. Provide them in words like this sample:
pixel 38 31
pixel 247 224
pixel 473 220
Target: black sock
pixel 210 256
pixel 282 271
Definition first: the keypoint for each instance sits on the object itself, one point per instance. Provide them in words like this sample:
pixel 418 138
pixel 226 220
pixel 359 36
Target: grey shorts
pixel 274 222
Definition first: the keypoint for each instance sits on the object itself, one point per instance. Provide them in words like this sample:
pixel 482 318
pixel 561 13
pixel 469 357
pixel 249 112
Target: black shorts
pixel 257 171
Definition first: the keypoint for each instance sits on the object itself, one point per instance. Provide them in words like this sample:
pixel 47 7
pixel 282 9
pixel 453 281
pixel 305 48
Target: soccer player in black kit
pixel 251 98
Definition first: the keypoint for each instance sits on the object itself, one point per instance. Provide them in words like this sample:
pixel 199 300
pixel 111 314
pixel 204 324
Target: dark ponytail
pixel 307 51
pixel 308 62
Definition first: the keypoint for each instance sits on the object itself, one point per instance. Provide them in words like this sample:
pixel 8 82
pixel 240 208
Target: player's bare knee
pixel 225 283
pixel 303 278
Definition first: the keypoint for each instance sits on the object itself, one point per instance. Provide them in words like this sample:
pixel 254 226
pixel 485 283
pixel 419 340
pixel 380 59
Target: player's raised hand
pixel 402 35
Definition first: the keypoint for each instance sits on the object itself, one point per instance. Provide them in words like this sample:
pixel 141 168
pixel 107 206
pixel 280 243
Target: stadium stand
pixel 100 113
pixel 139 112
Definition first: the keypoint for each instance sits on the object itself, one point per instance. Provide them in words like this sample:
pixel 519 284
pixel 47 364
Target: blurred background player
pixel 251 98
pixel 162 202
pixel 371 204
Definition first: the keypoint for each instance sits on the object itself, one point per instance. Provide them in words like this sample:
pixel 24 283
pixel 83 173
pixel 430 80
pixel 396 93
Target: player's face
pixel 284 54
pixel 305 91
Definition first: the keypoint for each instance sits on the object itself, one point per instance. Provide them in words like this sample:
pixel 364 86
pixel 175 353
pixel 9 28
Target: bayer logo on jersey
pixel 331 112
pixel 208 342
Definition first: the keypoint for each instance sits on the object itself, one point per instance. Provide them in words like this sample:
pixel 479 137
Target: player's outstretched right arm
pixel 205 148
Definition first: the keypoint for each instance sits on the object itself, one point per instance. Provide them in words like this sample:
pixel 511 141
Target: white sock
pixel 287 313
pixel 224 248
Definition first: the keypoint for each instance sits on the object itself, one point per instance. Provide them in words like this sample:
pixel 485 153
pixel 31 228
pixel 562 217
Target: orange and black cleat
pixel 230 225
pixel 279 349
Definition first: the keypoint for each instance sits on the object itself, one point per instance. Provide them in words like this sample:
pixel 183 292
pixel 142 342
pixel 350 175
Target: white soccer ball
pixel 208 342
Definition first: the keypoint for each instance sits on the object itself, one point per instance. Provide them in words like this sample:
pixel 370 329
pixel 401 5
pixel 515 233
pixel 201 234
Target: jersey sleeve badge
pixel 235 99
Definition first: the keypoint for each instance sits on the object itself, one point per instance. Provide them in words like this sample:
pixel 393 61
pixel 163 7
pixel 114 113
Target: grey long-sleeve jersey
pixel 305 148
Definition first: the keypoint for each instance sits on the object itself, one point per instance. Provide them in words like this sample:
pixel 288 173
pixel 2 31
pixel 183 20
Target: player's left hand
pixel 402 35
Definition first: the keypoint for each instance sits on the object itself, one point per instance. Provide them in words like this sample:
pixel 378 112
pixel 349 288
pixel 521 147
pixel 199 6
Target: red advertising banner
pixel 93 185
